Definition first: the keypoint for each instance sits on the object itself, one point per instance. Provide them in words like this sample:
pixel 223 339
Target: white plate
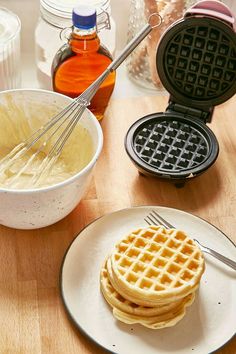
pixel 209 323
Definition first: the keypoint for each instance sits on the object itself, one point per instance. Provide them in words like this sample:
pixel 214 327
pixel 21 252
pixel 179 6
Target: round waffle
pixel 144 302
pixel 154 265
pixel 119 302
pixel 168 319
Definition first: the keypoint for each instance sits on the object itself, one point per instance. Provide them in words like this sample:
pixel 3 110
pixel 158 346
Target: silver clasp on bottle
pixel 65 34
pixel 103 21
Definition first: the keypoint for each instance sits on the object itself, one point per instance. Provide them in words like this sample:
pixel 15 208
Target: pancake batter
pixel 18 122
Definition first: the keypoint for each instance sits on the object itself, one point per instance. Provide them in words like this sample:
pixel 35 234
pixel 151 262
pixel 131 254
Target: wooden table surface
pixel 32 316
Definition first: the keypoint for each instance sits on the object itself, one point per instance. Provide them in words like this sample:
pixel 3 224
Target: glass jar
pixel 10 71
pixel 141 64
pixel 56 15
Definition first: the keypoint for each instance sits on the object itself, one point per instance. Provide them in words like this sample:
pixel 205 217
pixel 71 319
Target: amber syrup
pixel 78 64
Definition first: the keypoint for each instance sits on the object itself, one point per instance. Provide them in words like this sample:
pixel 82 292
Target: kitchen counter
pixel 33 319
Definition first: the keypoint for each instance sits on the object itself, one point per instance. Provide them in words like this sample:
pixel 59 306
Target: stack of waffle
pixel 151 276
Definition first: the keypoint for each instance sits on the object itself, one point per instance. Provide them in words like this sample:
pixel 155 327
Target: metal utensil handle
pixel 85 98
pixel 130 47
pixel 134 42
pixel 219 256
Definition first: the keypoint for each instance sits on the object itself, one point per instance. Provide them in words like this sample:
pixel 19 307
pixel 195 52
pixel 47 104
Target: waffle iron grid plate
pixel 171 146
pixel 196 61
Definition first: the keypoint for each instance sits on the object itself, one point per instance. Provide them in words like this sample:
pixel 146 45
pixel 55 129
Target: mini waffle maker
pixel 196 62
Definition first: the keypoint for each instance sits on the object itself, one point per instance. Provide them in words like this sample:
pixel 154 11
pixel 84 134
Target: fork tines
pixel 153 218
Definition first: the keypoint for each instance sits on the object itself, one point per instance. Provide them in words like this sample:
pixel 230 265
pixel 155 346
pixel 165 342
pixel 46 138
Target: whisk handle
pixel 134 42
pixel 89 93
pixel 130 47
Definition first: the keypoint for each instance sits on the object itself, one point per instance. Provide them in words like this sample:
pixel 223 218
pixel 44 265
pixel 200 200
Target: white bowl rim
pixel 75 176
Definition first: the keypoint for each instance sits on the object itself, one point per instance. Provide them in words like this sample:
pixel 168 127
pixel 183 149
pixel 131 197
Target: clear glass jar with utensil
pixel 141 64
pixel 55 15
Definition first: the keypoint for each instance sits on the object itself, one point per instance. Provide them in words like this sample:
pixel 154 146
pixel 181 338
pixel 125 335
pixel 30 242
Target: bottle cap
pixel 84 17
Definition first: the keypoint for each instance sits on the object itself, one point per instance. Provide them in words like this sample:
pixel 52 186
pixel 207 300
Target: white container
pixel 55 15
pixel 10 26
pixel 35 208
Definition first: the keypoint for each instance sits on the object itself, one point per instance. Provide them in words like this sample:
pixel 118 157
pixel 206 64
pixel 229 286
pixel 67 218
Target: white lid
pixel 63 8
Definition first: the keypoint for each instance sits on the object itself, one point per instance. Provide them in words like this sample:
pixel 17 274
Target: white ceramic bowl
pixel 35 208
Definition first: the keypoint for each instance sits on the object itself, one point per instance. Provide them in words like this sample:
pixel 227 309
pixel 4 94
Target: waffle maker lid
pixel 196 57
pixel 196 62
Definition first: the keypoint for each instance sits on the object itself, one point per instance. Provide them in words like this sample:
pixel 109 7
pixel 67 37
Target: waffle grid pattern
pixel 120 302
pixel 171 145
pixel 151 276
pixel 156 260
pixel 201 62
pixel 117 298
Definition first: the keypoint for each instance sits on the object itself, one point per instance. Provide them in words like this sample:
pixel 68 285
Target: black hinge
pixel 204 115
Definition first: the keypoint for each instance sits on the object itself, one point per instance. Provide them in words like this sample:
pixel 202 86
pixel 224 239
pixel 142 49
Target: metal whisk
pixel 68 116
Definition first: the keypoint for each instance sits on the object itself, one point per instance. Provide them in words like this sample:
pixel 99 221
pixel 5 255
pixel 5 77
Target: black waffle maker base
pixel 196 62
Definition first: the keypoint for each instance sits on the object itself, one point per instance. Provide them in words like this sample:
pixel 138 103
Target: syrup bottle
pixel 78 63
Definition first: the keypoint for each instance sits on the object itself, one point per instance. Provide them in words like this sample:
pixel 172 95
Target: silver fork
pixel 153 218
